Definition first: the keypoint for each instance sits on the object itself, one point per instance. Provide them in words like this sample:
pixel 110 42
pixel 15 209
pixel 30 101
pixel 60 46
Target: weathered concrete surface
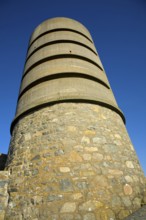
pixel 62 64
pixel 59 23
pixel 68 88
pixel 62 49
pixel 60 36
pixel 73 161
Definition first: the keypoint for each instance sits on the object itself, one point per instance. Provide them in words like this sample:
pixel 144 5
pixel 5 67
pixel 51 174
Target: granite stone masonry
pixel 4 179
pixel 61 166
pixel 70 156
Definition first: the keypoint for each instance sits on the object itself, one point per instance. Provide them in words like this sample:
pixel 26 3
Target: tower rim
pixel 67 100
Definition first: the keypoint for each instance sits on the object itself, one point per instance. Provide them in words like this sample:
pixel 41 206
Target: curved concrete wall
pixel 61 49
pixel 68 88
pixel 60 36
pixel 55 24
pixel 62 64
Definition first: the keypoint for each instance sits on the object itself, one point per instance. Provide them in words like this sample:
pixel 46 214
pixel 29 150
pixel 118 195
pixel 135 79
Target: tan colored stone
pixel 36 134
pixel 78 148
pixel 59 160
pixel 129 179
pixel 108 157
pixel 91 149
pixel 87 173
pixel 27 136
pixel 89 216
pixel 137 202
pixel 2 215
pixel 97 156
pixel 106 214
pixel 115 172
pixel 99 140
pixel 98 204
pixel 87 156
pixel 85 140
pixel 64 169
pixel 101 181
pixel 128 189
pixel 110 176
pixel 144 198
pixel 90 132
pixel 72 128
pixel 135 178
pixel 90 205
pixel 117 142
pixel 129 164
pixel 4 179
pixel 68 207
pixel 117 136
pixel 55 120
pixel 86 166
pixel 123 214
pixel 142 180
pixel 131 146
pixel 37 199
pixel 77 196
pixel 74 157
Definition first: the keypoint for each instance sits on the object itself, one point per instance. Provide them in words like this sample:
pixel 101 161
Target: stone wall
pixel 3 193
pixel 73 161
pixel 139 214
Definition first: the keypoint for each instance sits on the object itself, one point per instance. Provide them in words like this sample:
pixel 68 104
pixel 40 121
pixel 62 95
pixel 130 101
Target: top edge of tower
pixel 59 23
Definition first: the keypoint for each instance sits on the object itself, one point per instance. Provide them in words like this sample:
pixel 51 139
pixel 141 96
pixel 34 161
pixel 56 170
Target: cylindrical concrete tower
pixel 70 156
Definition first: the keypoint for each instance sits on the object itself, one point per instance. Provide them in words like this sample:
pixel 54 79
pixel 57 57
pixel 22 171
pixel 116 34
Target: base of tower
pixel 73 161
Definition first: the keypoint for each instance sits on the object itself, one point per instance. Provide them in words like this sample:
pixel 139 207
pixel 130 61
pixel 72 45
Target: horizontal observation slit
pixel 59 57
pixel 59 29
pixel 62 75
pixel 59 42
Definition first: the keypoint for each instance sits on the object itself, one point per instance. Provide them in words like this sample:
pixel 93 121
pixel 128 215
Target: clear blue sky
pixel 118 28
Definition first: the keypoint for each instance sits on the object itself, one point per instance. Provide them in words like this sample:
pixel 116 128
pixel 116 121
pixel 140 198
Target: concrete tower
pixel 70 156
